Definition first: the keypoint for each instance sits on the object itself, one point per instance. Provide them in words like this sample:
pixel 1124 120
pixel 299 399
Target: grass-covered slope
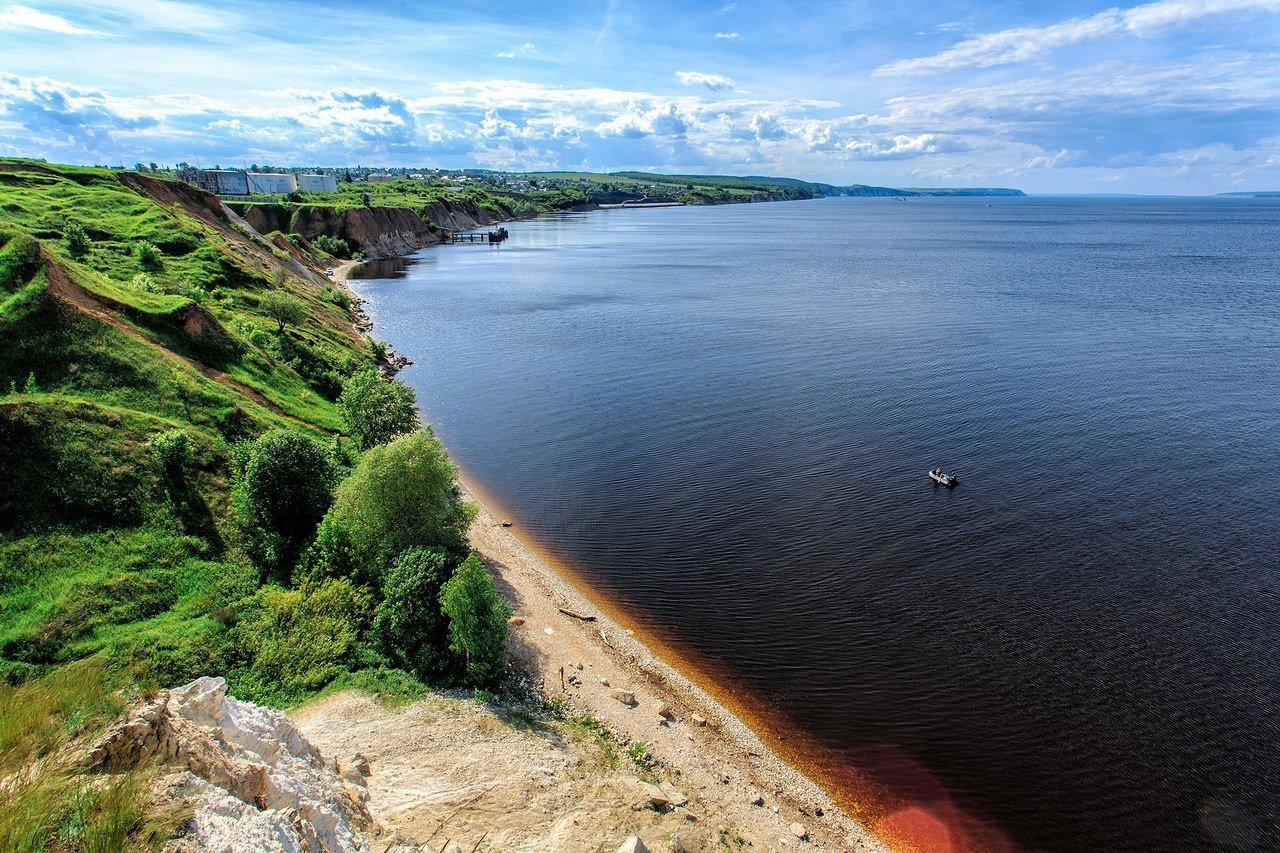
pixel 172 385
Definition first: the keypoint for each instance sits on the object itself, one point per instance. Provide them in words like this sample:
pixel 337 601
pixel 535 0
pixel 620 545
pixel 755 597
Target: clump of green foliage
pixel 375 411
pixel 283 308
pixel 76 238
pixel 333 246
pixel 149 257
pixel 477 622
pixel 287 487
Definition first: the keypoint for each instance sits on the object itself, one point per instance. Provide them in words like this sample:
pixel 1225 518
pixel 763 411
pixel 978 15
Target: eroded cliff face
pixel 380 232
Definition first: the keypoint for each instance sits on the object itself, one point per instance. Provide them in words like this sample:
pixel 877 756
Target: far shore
pixel 567 634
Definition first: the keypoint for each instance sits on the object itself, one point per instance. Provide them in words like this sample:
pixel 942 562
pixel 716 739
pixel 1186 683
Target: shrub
pixel 334 246
pixel 477 622
pixel 77 240
pixel 172 450
pixel 338 297
pixel 144 282
pixel 410 627
pixel 287 483
pixel 149 257
pixel 400 496
pixel 375 411
pixel 282 308
pixel 299 640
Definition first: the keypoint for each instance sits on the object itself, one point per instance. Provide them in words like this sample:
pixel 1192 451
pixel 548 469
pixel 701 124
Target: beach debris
pixel 633 844
pixel 662 709
pixel 604 682
pixel 506 523
pixel 573 664
pixel 585 617
pixel 549 631
pixel 649 796
pixel 724 778
pixel 757 800
pixel 798 830
pixel 605 637
pixel 626 697
pixel 516 620
pixel 698 719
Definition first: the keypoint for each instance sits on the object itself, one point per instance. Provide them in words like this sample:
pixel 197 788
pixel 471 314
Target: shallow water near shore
pixel 722 419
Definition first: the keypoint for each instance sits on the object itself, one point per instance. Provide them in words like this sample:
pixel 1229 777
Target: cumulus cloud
pixel 767 127
pixel 26 18
pixel 1020 44
pixel 639 120
pixel 714 82
pixel 60 115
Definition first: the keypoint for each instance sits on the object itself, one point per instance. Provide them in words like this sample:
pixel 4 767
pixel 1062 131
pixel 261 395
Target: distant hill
pixel 953 192
pixel 1254 194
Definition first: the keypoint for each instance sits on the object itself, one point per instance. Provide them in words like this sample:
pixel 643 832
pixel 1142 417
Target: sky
pixel 1165 97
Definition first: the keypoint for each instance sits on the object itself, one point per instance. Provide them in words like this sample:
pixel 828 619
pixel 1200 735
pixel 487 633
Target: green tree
pixel 282 308
pixel 375 411
pixel 288 485
pixel 477 622
pixel 410 627
pixel 77 240
pixel 400 496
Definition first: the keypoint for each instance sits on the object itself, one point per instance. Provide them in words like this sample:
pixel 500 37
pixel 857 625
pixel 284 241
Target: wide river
pixel 721 419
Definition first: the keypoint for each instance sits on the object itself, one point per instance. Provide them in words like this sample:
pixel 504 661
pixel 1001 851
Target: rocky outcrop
pixel 254 781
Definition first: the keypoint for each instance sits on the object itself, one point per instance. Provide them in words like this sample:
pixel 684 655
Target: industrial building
pixel 219 181
pixel 271 183
pixel 318 183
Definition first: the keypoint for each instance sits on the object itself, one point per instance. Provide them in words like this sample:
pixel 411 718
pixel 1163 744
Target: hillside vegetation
pixel 201 472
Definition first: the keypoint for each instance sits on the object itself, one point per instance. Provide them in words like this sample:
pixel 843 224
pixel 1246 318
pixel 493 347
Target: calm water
pixel 722 417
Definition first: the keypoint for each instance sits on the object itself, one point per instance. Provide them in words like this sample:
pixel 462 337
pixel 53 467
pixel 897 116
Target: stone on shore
pixel 626 697
pixel 633 844
pixel 798 830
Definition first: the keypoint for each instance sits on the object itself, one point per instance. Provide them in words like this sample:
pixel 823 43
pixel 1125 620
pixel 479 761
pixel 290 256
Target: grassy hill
pixel 151 339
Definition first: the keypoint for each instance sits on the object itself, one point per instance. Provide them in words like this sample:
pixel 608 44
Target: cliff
pixel 380 232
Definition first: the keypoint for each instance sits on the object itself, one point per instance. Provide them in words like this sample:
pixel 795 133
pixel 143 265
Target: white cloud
pixel 728 36
pixel 714 82
pixel 638 121
pixel 1020 44
pixel 26 18
pixel 506 54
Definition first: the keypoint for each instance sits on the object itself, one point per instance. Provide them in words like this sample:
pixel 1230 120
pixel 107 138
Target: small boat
pixel 942 479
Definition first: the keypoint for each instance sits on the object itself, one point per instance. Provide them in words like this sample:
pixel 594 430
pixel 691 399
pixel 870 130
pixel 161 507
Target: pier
pixel 495 236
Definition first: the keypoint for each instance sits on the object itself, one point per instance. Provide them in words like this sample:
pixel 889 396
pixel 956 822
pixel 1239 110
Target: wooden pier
pixel 495 236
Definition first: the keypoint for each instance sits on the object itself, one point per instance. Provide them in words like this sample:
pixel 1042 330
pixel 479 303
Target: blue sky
pixel 1171 96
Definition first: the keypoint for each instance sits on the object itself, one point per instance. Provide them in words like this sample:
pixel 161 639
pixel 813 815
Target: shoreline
pixel 737 769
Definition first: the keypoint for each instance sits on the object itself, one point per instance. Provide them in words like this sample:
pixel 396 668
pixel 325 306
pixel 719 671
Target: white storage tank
pixel 318 183
pixel 271 182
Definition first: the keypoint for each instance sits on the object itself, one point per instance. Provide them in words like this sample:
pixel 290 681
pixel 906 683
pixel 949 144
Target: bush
pixel 77 240
pixel 172 450
pixel 333 246
pixel 282 308
pixel 149 257
pixel 375 411
pixel 399 496
pixel 288 483
pixel 477 622
pixel 410 628
pixel 299 640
